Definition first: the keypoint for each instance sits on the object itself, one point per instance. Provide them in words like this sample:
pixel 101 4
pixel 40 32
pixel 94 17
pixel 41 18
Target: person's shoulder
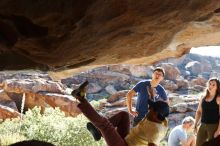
pixel 177 128
pixel 147 81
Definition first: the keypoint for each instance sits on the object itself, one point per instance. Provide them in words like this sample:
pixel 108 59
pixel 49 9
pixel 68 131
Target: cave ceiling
pixel 61 34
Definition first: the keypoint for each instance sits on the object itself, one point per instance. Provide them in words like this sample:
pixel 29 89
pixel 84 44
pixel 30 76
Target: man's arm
pixel 129 96
pixel 190 141
pixel 184 143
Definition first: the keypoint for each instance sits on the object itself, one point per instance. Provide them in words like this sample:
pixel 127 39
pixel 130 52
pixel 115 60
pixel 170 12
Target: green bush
pixel 52 127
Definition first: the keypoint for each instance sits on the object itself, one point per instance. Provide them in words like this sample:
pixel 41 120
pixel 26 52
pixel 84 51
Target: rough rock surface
pixel 58 35
pixel 109 83
pixel 33 89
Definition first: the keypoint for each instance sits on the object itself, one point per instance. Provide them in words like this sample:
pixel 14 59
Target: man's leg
pixel 108 131
pixel 122 122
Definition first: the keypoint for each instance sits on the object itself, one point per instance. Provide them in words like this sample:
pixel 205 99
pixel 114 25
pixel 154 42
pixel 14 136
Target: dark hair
pixel 32 143
pixel 217 93
pixel 161 107
pixel 160 69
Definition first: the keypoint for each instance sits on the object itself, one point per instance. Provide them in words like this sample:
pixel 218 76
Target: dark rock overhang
pixel 56 35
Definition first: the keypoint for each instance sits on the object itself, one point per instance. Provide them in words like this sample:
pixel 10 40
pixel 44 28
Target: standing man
pixel 147 89
pixel 182 135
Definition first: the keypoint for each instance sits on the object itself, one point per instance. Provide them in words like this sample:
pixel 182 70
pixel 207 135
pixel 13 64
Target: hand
pixel 216 134
pixel 218 100
pixel 195 130
pixel 133 113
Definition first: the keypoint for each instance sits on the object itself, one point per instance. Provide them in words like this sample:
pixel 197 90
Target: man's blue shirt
pixel 143 96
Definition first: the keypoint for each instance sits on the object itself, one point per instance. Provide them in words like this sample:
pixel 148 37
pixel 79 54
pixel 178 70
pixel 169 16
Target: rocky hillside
pixel 185 81
pixel 191 71
pixel 185 78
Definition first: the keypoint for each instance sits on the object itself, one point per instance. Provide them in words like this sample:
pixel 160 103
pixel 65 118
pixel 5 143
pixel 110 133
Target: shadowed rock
pixel 78 33
pixel 36 91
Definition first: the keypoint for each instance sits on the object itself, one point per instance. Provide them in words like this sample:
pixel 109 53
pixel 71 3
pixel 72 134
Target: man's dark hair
pixel 160 69
pixel 32 143
pixel 161 107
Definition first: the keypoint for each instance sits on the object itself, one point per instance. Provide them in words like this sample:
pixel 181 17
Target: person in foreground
pixel 146 89
pixel 32 142
pixel 208 111
pixel 115 130
pixel 181 135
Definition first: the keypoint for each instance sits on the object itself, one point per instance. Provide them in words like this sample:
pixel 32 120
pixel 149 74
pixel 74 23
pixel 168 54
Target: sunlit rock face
pixel 55 34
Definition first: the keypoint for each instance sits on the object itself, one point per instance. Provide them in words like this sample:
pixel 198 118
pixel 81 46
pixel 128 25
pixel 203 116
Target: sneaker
pixel 94 131
pixel 79 93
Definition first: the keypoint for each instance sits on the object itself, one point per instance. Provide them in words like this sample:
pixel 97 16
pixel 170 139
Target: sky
pixel 207 51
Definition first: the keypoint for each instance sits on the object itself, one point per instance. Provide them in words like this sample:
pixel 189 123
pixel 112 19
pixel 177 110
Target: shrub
pixel 51 127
